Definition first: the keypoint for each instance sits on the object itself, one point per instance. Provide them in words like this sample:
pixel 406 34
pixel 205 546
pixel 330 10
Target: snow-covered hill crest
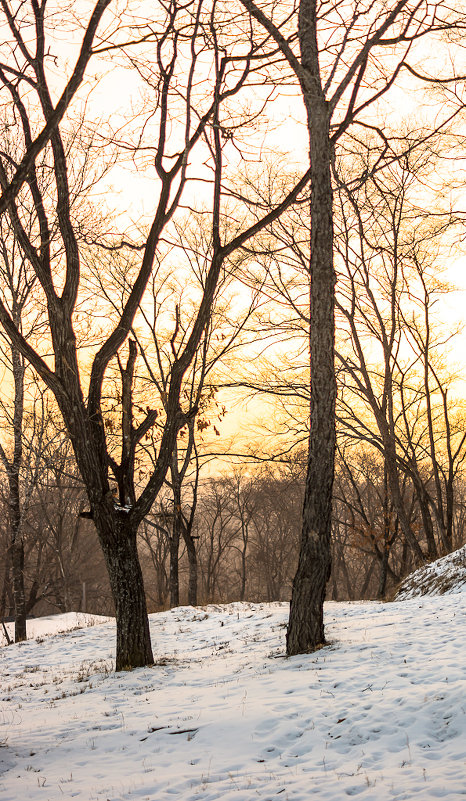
pixel 446 575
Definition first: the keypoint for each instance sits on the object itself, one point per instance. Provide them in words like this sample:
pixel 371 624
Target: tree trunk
pixel 117 536
pixel 124 570
pixel 14 499
pixel 5 584
pixel 17 545
pixel 242 594
pixel 449 512
pixel 192 562
pixel 423 501
pixel 17 569
pixel 383 574
pixel 174 559
pixel 306 627
pixel 393 478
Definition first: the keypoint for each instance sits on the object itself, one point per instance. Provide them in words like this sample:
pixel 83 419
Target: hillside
pixel 379 714
pixel 446 575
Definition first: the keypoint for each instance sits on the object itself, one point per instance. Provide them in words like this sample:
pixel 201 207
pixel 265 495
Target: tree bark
pixel 174 564
pixel 192 563
pixel 383 573
pixel 242 594
pixel 17 569
pixel 177 530
pixel 306 628
pixel 14 496
pixel 126 582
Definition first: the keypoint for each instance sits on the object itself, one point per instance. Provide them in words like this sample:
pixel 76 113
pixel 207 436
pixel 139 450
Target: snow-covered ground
pixel 378 714
pixel 447 574
pixel 53 624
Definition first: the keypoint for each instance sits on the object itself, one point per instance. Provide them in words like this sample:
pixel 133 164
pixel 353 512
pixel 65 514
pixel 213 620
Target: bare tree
pixel 363 509
pixel 13 466
pixel 26 417
pixel 394 393
pixel 17 280
pixel 194 101
pixel 395 400
pixel 345 64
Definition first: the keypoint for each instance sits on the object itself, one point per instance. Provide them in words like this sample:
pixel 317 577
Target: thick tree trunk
pixel 117 534
pixel 306 627
pixel 124 570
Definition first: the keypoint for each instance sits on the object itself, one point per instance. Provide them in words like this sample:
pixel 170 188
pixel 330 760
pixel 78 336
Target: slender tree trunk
pixel 387 540
pixel 192 563
pixel 177 531
pixel 423 501
pixel 126 582
pixel 14 497
pixel 406 565
pixel 306 627
pixel 367 579
pixel 17 570
pixel 174 565
pixel 383 573
pixel 242 594
pixel 5 584
pixel 449 512
pixel 17 548
pixel 393 478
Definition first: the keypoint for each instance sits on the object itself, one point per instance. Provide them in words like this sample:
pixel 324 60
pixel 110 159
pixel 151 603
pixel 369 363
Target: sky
pixel 130 192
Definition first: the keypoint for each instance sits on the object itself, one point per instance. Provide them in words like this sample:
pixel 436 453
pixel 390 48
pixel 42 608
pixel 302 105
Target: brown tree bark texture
pixel 305 628
pixel 124 570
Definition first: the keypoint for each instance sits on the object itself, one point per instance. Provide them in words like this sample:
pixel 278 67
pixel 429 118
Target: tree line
pixel 244 534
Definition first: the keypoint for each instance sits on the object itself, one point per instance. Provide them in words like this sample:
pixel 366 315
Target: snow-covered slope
pixel 446 575
pixel 54 624
pixel 380 714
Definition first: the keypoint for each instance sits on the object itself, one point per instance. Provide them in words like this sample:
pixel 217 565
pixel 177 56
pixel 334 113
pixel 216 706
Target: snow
pixel 446 575
pixel 54 624
pixel 378 714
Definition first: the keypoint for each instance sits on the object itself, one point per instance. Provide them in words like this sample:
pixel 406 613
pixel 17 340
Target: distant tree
pixel 364 510
pixel 217 534
pixel 395 393
pixel 244 504
pixel 274 540
pixel 65 566
pixel 21 464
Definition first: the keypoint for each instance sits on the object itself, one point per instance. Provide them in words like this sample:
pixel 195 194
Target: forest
pixel 231 333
